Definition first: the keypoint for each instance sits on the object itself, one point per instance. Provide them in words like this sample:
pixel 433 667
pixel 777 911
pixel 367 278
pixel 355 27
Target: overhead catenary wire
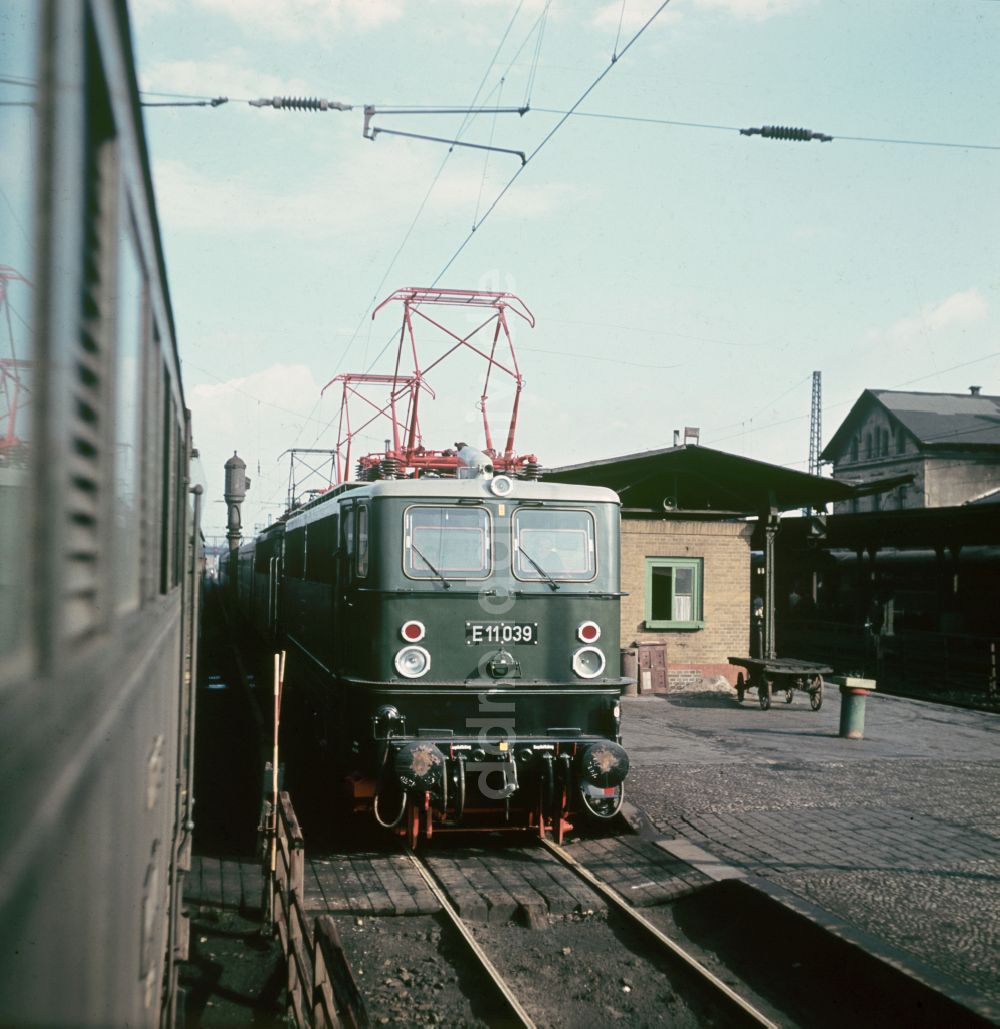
pixel 545 140
pixel 212 102
pixel 639 119
pixel 477 222
pixel 837 404
pixel 471 111
pixel 534 152
pixel 468 116
pixel 541 23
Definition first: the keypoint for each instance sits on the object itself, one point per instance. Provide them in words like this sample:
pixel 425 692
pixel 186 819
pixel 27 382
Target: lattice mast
pixel 399 394
pixel 816 424
pixel 15 392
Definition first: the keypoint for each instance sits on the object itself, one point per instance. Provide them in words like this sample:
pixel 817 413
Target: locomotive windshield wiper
pixel 447 584
pixel 538 568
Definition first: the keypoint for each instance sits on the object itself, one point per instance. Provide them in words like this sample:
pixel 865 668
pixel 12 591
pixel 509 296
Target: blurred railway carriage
pixel 453 635
pixel 99 560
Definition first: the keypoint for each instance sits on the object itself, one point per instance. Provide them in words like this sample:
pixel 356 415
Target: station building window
pixel 674 593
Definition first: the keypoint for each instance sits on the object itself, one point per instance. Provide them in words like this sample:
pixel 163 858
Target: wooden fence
pixel 322 992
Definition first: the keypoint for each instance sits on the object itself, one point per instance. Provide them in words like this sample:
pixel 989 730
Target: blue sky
pixel 679 275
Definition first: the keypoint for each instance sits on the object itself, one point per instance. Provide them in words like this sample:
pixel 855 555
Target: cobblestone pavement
pixel 897 834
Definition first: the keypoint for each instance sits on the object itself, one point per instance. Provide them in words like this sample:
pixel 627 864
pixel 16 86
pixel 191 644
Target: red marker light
pixel 413 632
pixel 588 632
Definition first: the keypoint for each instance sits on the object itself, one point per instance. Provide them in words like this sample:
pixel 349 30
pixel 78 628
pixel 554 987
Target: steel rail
pixel 621 904
pixel 522 1016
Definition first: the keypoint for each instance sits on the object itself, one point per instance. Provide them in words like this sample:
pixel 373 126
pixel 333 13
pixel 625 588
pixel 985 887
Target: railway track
pixel 699 996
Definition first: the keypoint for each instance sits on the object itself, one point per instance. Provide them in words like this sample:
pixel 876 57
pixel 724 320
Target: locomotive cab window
pixel 347 522
pixel 554 545
pixel 443 542
pixel 673 593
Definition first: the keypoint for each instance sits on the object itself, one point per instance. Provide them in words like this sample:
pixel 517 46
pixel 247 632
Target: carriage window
pixel 447 541
pixel 322 546
pixel 673 593
pixel 19 175
pixel 362 541
pixel 131 321
pixel 295 553
pixel 554 544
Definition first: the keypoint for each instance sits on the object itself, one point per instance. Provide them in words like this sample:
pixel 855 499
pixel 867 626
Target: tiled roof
pixel 946 419
pixel 939 420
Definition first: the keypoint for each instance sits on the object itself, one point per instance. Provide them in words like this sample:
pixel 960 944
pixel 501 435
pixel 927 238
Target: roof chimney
pixel 974 390
pixel 677 437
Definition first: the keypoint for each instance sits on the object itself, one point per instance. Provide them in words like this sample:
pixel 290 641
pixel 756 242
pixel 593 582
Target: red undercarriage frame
pixel 544 805
pixel 405 455
pixel 422 819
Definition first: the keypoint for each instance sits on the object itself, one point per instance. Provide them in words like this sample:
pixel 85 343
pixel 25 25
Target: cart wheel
pixel 764 694
pixel 741 688
pixel 816 693
pixel 789 695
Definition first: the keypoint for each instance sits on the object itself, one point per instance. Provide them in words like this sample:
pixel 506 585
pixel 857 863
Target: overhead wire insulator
pixel 295 103
pixel 786 132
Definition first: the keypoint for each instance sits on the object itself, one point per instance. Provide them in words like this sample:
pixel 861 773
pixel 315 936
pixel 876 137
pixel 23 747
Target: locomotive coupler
pixel 503 665
pixel 502 762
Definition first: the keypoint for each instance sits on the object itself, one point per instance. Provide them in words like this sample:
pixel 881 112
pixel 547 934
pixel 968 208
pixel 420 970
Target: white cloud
pixel 632 17
pixel 756 10
pixel 378 189
pixel 301 19
pixel 260 415
pixel 958 310
pixel 232 75
pixel 635 14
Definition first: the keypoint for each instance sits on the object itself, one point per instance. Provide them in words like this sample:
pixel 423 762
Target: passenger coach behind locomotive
pixel 459 639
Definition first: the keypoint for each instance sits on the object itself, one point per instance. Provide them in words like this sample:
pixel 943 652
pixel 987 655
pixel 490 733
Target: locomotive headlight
pixel 412 662
pixel 588 662
pixel 501 486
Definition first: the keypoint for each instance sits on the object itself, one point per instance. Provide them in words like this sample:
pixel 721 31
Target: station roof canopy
pixel 697 480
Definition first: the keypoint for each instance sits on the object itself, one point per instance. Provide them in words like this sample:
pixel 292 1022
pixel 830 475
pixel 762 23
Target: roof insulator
pixel 293 103
pixel 786 132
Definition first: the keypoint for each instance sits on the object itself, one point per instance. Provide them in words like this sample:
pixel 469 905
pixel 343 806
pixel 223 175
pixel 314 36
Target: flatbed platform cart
pixel 776 675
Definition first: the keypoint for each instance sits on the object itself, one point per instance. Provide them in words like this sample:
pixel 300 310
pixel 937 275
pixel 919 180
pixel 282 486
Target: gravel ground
pixel 578 970
pixel 235 976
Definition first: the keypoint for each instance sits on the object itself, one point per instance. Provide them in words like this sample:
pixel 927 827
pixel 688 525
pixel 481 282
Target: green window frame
pixel 674 593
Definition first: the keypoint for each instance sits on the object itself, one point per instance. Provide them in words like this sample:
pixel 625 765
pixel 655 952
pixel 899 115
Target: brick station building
pixel 691 517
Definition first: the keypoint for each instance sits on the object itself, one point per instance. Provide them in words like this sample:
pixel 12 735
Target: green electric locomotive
pixel 452 634
pixel 456 643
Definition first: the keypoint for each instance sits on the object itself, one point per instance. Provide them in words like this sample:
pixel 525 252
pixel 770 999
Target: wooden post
pixel 772 520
